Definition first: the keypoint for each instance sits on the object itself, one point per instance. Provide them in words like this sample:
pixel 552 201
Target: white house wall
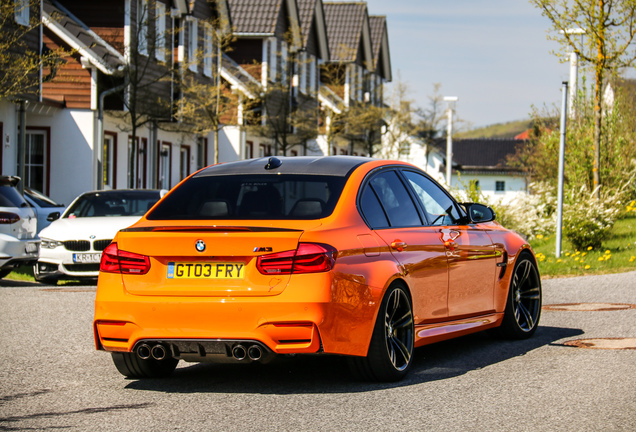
pixel 514 186
pixel 71 167
pixel 9 118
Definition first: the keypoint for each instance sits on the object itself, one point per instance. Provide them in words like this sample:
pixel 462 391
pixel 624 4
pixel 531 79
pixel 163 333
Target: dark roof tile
pixel 250 16
pixel 344 29
pixel 483 153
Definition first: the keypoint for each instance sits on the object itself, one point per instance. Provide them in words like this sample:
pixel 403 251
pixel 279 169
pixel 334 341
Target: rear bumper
pixel 13 251
pixel 311 315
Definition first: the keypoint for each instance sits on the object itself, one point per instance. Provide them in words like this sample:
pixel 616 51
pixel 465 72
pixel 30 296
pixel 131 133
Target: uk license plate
pixel 87 258
pixel 185 270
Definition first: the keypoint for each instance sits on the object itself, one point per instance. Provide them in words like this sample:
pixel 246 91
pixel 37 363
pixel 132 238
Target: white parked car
pixel 44 207
pixel 18 228
pixel 72 245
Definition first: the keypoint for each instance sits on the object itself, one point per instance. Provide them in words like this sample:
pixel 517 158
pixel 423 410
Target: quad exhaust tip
pixel 239 352
pixel 253 352
pixel 157 352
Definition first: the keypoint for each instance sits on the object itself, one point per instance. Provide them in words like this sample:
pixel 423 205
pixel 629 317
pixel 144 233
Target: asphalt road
pixel 52 378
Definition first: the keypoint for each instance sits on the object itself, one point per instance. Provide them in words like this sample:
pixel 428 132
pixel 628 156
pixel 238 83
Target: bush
pixel 534 214
pixel 587 221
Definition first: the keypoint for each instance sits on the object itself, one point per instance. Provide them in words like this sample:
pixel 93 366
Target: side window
pixel 372 210
pixel 440 208
pixel 396 202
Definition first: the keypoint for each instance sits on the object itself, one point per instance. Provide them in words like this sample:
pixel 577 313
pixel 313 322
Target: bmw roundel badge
pixel 200 245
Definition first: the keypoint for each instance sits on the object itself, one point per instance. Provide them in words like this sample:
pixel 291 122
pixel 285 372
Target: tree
pixel 282 114
pixel 361 123
pixel 205 100
pixel 20 57
pixel 147 97
pixel 610 27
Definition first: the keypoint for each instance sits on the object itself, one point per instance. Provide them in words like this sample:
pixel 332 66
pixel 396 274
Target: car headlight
pixel 50 244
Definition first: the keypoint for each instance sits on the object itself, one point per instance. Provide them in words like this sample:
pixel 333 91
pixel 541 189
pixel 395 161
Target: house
pixel 483 161
pixel 116 109
pixel 108 42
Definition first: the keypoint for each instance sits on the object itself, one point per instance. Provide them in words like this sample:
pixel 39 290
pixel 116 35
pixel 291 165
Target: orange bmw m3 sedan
pixel 359 257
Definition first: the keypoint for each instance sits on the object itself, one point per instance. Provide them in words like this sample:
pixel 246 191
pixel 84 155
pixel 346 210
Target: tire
pixel 390 353
pixel 131 366
pixel 523 307
pixel 50 280
pixel 4 273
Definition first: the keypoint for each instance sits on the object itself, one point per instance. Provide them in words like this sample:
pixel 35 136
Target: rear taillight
pixel 8 218
pixel 308 258
pixel 119 261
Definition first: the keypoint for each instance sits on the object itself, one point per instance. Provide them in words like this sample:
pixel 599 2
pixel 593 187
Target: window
pixel 160 29
pixel 439 207
pixel 302 72
pixel 500 186
pixel 36 156
pixel 283 63
pixel 208 51
pixel 165 155
pixel 259 197
pixel 21 12
pixel 184 162
pixel 202 152
pixel 273 56
pixel 108 160
pixel 193 35
pixel 395 200
pixel 142 27
pixel 142 163
pixel 133 155
pixel 312 75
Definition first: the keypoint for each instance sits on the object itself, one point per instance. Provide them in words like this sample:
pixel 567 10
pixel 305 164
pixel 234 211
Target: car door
pixel 391 211
pixel 470 252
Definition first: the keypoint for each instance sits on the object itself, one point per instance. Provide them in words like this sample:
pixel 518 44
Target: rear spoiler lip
pixel 214 228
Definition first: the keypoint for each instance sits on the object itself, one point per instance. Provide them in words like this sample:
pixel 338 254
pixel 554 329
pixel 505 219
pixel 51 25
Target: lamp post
pixel 574 69
pixel 559 227
pixel 449 138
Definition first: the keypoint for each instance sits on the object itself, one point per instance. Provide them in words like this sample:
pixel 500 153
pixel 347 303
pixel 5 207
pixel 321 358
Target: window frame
pixel 160 31
pixel 22 12
pixel 419 206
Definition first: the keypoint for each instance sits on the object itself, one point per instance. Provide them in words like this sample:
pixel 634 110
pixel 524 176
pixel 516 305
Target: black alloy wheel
pixel 523 308
pixel 390 353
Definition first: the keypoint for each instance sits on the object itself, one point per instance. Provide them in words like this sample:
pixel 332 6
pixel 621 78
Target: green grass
pixel 617 255
pixel 25 274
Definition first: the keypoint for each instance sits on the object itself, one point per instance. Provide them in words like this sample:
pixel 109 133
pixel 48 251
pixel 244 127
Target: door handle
pixel 398 245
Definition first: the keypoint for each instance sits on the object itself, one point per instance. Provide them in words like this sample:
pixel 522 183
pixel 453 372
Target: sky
pixel 492 54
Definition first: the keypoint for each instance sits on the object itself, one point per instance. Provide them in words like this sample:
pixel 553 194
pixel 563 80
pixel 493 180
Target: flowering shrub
pixel 587 221
pixel 534 215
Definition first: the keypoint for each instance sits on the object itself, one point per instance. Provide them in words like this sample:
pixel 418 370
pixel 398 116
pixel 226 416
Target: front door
pixel 391 212
pixel 471 255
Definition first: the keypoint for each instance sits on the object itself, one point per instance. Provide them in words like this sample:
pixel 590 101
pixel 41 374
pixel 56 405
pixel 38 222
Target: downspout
pixel 21 144
pixel 100 127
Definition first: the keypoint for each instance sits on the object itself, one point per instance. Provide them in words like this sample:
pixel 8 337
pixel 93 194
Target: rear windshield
pixel 125 203
pixel 251 197
pixel 10 197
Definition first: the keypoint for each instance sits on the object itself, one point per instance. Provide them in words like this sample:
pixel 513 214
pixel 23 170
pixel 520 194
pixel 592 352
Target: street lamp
pixel 574 68
pixel 449 138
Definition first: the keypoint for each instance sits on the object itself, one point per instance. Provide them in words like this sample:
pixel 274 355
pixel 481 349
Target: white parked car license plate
pixel 90 258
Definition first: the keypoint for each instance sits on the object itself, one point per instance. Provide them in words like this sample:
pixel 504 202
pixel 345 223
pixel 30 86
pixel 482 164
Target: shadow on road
pixel 329 374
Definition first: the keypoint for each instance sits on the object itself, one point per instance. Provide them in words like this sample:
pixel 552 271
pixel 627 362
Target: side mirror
pixel 478 213
pixel 53 216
